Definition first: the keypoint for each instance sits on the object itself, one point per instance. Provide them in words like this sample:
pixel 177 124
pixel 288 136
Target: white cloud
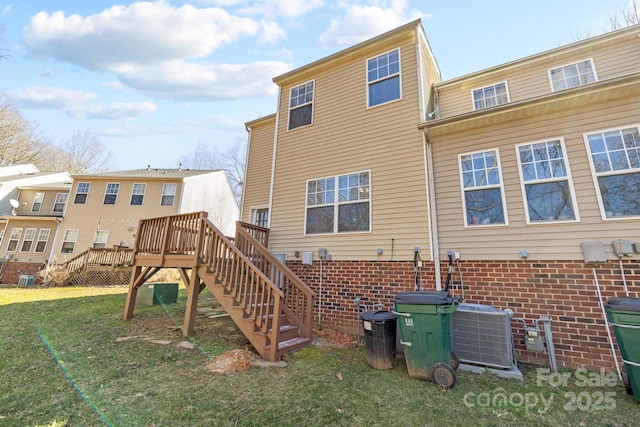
pixel 188 81
pixel 6 9
pixel 142 33
pixel 50 97
pixel 113 111
pixel 267 8
pixel 359 23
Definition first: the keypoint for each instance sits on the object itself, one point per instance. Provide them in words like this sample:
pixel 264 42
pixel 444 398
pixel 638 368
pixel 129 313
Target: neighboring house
pixel 371 157
pixel 32 206
pixel 104 209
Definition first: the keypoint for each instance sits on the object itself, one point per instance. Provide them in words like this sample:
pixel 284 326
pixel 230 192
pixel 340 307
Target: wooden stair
pixel 275 318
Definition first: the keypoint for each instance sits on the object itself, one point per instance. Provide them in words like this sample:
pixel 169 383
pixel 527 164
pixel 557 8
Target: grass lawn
pixel 68 359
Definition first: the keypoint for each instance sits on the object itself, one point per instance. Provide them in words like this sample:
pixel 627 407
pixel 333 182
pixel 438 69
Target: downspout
pixel 432 212
pixel 273 158
pixel 246 162
pixel 428 166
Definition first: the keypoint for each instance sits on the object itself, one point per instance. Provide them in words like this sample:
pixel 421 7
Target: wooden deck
pixel 272 306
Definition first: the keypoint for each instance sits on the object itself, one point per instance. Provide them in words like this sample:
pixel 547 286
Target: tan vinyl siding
pixel 118 219
pixel 348 137
pixel 258 175
pixel 26 199
pixel 529 79
pixel 31 255
pixel 542 241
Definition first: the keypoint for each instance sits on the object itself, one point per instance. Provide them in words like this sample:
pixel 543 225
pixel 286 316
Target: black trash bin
pixel 380 338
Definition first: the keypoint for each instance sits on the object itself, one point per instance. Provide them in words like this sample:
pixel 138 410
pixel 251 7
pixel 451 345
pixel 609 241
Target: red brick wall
pixel 11 270
pixel 566 291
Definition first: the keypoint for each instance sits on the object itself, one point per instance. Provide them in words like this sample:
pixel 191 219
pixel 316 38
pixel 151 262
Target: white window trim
pixel 56 202
pixel 19 231
pixel 569 178
pixel 111 194
pixel 595 175
pixel 593 67
pixel 501 186
pixel 86 194
pixel 313 101
pixel 336 205
pixel 103 233
pixel 473 101
pixel 34 202
pixel 39 239
pixel 144 193
pixel 162 194
pixel 368 83
pixel 64 235
pixel 24 238
pixel 253 210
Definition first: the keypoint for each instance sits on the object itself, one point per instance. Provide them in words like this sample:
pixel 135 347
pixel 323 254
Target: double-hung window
pixel 69 241
pixel 338 204
pixel 168 194
pixel 100 239
pixel 572 75
pixel 111 193
pixel 37 202
pixel 60 203
pixel 546 182
pixel 43 238
pixel 490 96
pixel 137 194
pixel 482 191
pixel 29 236
pixel 383 78
pixel 615 161
pixel 301 105
pixel 14 239
pixel 82 191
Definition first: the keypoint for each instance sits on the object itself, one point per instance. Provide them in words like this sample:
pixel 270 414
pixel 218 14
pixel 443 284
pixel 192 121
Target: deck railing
pixel 114 257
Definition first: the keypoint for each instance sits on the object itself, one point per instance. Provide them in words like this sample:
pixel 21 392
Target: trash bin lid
pixel 425 297
pixel 378 315
pixel 624 303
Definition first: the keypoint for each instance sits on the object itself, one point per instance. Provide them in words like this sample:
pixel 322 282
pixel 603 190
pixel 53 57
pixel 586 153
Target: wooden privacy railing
pixel 262 286
pixel 298 297
pixel 99 256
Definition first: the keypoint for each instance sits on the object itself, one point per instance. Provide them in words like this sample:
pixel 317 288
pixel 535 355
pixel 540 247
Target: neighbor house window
pixel 545 181
pixel 168 194
pixel 29 236
pixel 572 75
pixel 82 191
pixel 301 105
pixel 43 238
pixel 14 238
pixel 490 96
pixel 60 203
pixel 383 78
pixel 615 161
pixel 37 202
pixel 339 204
pixel 111 193
pixel 483 194
pixel 69 241
pixel 137 194
pixel 100 239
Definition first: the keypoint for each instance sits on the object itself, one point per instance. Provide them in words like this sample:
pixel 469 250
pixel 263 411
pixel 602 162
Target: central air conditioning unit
pixel 26 280
pixel 481 335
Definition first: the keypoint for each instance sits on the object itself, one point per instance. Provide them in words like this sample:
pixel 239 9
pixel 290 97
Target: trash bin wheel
pixel 625 381
pixel 443 375
pixel 455 361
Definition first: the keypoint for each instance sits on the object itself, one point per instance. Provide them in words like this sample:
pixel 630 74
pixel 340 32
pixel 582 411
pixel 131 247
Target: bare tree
pixel 626 16
pixel 3 47
pixel 232 161
pixel 20 139
pixel 82 153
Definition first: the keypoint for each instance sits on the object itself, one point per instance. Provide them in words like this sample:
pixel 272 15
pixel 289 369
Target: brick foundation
pixel 12 270
pixel 566 291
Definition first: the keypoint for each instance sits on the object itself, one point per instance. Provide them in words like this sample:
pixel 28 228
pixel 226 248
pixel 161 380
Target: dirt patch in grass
pixel 333 338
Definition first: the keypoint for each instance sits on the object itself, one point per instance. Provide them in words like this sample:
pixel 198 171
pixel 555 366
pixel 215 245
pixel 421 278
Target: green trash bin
pixel 624 315
pixel 424 325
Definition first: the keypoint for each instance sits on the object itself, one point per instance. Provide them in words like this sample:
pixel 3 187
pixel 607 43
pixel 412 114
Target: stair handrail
pixel 298 297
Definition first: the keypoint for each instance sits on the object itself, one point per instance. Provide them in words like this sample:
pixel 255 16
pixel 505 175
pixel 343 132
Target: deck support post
pixel 193 290
pixel 133 292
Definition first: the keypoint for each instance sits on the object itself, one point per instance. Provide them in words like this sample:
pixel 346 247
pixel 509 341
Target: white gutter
pixel 273 158
pixel 432 212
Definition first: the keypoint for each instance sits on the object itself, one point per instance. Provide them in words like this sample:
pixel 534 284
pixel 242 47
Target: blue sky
pixel 153 79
